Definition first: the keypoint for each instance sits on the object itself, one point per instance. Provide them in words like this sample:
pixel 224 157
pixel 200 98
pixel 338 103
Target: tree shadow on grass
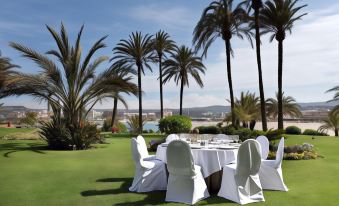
pixel 11 148
pixel 153 198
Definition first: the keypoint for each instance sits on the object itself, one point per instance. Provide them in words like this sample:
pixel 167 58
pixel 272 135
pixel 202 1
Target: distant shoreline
pixel 258 126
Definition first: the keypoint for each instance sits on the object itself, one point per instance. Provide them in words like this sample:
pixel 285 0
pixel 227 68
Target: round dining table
pixel 211 159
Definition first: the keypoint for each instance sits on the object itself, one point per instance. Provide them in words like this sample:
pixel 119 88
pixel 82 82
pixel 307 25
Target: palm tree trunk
pixel 115 108
pixel 181 95
pixel 161 95
pixel 280 68
pixel 261 85
pixel 336 132
pixel 229 76
pixel 140 99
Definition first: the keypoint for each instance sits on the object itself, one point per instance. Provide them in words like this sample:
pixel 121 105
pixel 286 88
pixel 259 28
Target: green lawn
pixel 31 175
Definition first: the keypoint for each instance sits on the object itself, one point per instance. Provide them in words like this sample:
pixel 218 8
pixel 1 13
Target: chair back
pixel 143 146
pixel 179 159
pixel 265 146
pixel 135 151
pixel 249 159
pixel 171 137
pixel 280 153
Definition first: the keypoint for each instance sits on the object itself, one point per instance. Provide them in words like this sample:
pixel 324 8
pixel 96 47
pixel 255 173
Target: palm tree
pixel 73 88
pixel 133 123
pixel 290 107
pixel 182 64
pixel 278 17
pixel 6 70
pixel 124 73
pixel 219 19
pixel 247 109
pixel 336 96
pixel 162 44
pixel 331 122
pixel 256 6
pixel 136 51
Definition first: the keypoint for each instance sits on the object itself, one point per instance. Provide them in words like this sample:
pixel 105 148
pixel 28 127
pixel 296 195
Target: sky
pixel 311 52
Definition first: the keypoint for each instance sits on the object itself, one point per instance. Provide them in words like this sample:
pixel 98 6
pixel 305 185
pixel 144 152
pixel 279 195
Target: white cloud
pixel 173 17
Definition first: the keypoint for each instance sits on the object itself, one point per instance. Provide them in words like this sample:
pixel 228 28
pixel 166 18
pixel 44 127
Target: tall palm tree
pixel 6 70
pixel 247 109
pixel 125 74
pixel 136 51
pixel 278 17
pixel 256 6
pixel 182 64
pixel 331 122
pixel 162 44
pixel 220 19
pixel 336 96
pixel 73 88
pixel 290 107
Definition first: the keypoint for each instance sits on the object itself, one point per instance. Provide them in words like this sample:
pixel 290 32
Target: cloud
pixel 172 17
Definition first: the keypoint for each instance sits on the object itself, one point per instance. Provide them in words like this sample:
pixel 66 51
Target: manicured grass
pixel 18 132
pixel 31 175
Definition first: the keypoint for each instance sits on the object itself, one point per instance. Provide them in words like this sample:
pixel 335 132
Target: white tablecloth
pixel 210 160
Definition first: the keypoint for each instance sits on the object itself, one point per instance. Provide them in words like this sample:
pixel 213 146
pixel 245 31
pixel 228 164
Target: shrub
pixel 175 124
pixel 244 133
pixel 119 127
pixel 30 119
pixel 208 130
pixel 274 134
pixel 151 131
pixel 313 132
pixel 60 136
pixel 296 152
pixel 133 123
pixel 229 130
pixel 257 133
pixel 293 130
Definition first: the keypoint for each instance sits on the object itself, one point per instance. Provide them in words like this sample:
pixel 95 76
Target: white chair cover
pixel 143 149
pixel 265 146
pixel 171 137
pixel 240 182
pixel 271 176
pixel 185 182
pixel 149 175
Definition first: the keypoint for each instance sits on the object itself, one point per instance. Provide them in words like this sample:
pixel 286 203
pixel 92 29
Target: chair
pixel 271 176
pixel 150 175
pixel 185 182
pixel 143 149
pixel 240 182
pixel 171 137
pixel 265 146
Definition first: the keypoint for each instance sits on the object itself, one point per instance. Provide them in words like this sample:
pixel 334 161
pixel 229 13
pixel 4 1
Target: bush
pixel 208 130
pixel 61 136
pixel 175 124
pixel 274 134
pixel 297 152
pixel 119 127
pixel 313 132
pixel 229 130
pixel 151 131
pixel 245 133
pixel 293 130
